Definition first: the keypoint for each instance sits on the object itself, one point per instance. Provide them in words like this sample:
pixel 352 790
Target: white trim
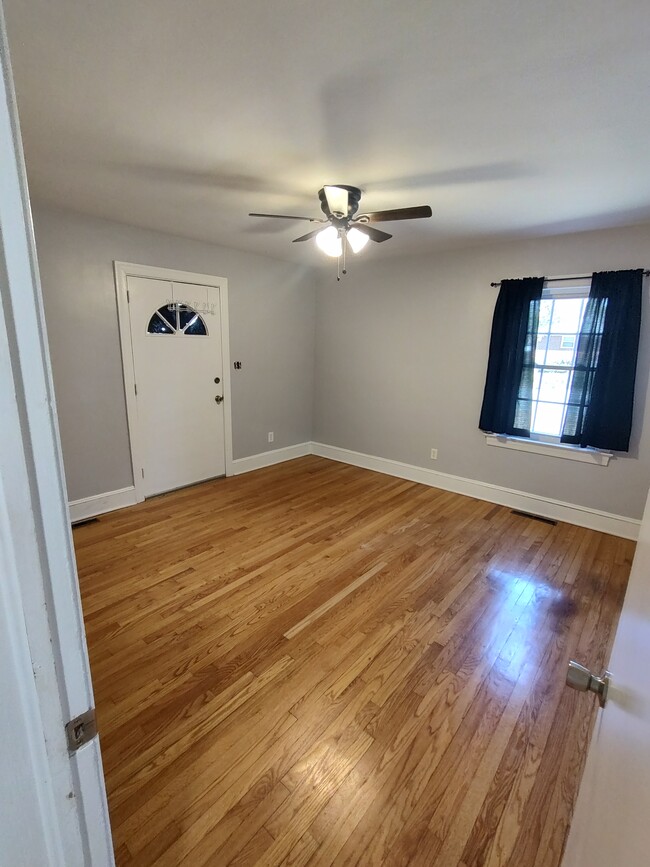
pixel 88 507
pixel 605 522
pixel 553 450
pixel 40 608
pixel 583 516
pixel 225 376
pixel 99 504
pixel 123 270
pixel 267 459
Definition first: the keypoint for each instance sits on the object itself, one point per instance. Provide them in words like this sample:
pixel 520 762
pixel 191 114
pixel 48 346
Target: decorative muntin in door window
pixel 179 319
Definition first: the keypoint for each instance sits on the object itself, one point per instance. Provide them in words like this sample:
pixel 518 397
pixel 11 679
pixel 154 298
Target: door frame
pixel 124 270
pixel 40 608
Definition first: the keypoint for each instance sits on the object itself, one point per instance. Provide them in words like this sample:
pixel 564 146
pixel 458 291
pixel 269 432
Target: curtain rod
pixel 569 277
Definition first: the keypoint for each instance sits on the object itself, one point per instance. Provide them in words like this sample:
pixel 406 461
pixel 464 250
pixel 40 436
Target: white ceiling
pixel 508 118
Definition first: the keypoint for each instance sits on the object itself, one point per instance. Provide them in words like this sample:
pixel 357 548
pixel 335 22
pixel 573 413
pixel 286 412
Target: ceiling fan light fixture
pixel 357 240
pixel 329 242
pixel 340 205
pixel 338 199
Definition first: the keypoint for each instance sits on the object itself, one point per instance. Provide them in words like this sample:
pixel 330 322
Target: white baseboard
pixel 616 525
pixel 90 507
pixel 267 459
pixel 605 522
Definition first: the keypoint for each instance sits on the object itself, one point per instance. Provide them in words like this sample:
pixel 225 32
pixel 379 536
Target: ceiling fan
pixel 340 204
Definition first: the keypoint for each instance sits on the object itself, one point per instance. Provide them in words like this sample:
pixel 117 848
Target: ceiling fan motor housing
pixel 354 194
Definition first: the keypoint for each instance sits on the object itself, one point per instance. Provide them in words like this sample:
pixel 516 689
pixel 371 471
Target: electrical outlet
pixel 270 436
pixel 434 454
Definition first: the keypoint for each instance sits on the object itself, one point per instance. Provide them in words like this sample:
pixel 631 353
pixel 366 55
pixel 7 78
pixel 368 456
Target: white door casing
pixel 54 811
pixel 611 821
pixel 174 377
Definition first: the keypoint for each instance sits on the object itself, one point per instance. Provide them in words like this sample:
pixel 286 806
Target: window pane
pixel 157 325
pixel 523 414
pixel 554 386
pixel 540 349
pixel 548 419
pixel 168 312
pixel 566 315
pixel 545 309
pixel 560 357
pixel 196 326
pixel 185 315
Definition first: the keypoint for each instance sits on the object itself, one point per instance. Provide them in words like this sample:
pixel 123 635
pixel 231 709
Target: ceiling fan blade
pixel 337 200
pixel 307 236
pixel 287 217
pixel 371 232
pixel 416 213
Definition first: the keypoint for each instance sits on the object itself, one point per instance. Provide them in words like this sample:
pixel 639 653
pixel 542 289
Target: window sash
pixel 555 294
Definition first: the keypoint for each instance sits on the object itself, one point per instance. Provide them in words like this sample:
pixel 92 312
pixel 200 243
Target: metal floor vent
pixel 534 517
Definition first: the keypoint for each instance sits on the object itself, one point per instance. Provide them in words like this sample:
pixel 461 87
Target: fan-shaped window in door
pixel 177 319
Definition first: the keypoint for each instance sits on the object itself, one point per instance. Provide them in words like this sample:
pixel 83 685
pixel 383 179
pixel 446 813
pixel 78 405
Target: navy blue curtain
pixel 507 399
pixel 599 413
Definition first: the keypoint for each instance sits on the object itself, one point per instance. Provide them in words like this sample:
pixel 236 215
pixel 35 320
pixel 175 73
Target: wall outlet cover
pixel 434 454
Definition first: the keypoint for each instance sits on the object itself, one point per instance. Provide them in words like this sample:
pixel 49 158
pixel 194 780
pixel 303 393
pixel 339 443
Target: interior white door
pixel 611 822
pixel 53 810
pixel 177 357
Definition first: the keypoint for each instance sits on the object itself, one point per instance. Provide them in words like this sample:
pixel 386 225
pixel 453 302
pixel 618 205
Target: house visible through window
pixel 560 319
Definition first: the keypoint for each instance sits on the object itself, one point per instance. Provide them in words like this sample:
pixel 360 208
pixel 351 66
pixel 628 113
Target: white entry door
pixel 177 357
pixel 611 823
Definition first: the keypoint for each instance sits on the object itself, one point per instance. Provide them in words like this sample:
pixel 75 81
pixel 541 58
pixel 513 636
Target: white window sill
pixel 554 450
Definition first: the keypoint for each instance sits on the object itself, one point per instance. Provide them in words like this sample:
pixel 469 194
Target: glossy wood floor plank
pixel 314 664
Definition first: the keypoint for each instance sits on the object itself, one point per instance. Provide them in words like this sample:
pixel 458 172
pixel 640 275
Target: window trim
pixel 554 450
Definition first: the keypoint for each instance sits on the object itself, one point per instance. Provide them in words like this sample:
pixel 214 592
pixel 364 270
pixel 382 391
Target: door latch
pixel 81 730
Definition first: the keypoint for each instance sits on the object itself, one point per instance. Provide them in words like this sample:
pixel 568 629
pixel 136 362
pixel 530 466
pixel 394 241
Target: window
pixel 562 361
pixel 561 312
pixel 177 318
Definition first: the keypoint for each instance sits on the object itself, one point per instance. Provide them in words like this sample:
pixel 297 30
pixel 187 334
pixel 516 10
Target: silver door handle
pixel 219 398
pixel 580 678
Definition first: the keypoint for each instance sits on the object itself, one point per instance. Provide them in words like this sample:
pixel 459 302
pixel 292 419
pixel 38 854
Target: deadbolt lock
pixel 217 380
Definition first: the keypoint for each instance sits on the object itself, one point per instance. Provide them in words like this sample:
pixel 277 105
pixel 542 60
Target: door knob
pixel 219 398
pixel 580 678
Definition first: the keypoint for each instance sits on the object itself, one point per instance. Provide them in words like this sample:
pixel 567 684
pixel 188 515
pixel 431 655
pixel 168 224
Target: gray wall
pixel 271 332
pixel 401 352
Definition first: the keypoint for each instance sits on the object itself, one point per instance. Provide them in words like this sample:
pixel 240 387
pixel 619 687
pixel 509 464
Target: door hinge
pixel 142 471
pixel 81 730
pixel 128 297
pixel 135 387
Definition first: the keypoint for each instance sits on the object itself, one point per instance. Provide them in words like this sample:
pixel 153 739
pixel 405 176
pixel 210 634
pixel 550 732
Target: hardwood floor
pixel 316 664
